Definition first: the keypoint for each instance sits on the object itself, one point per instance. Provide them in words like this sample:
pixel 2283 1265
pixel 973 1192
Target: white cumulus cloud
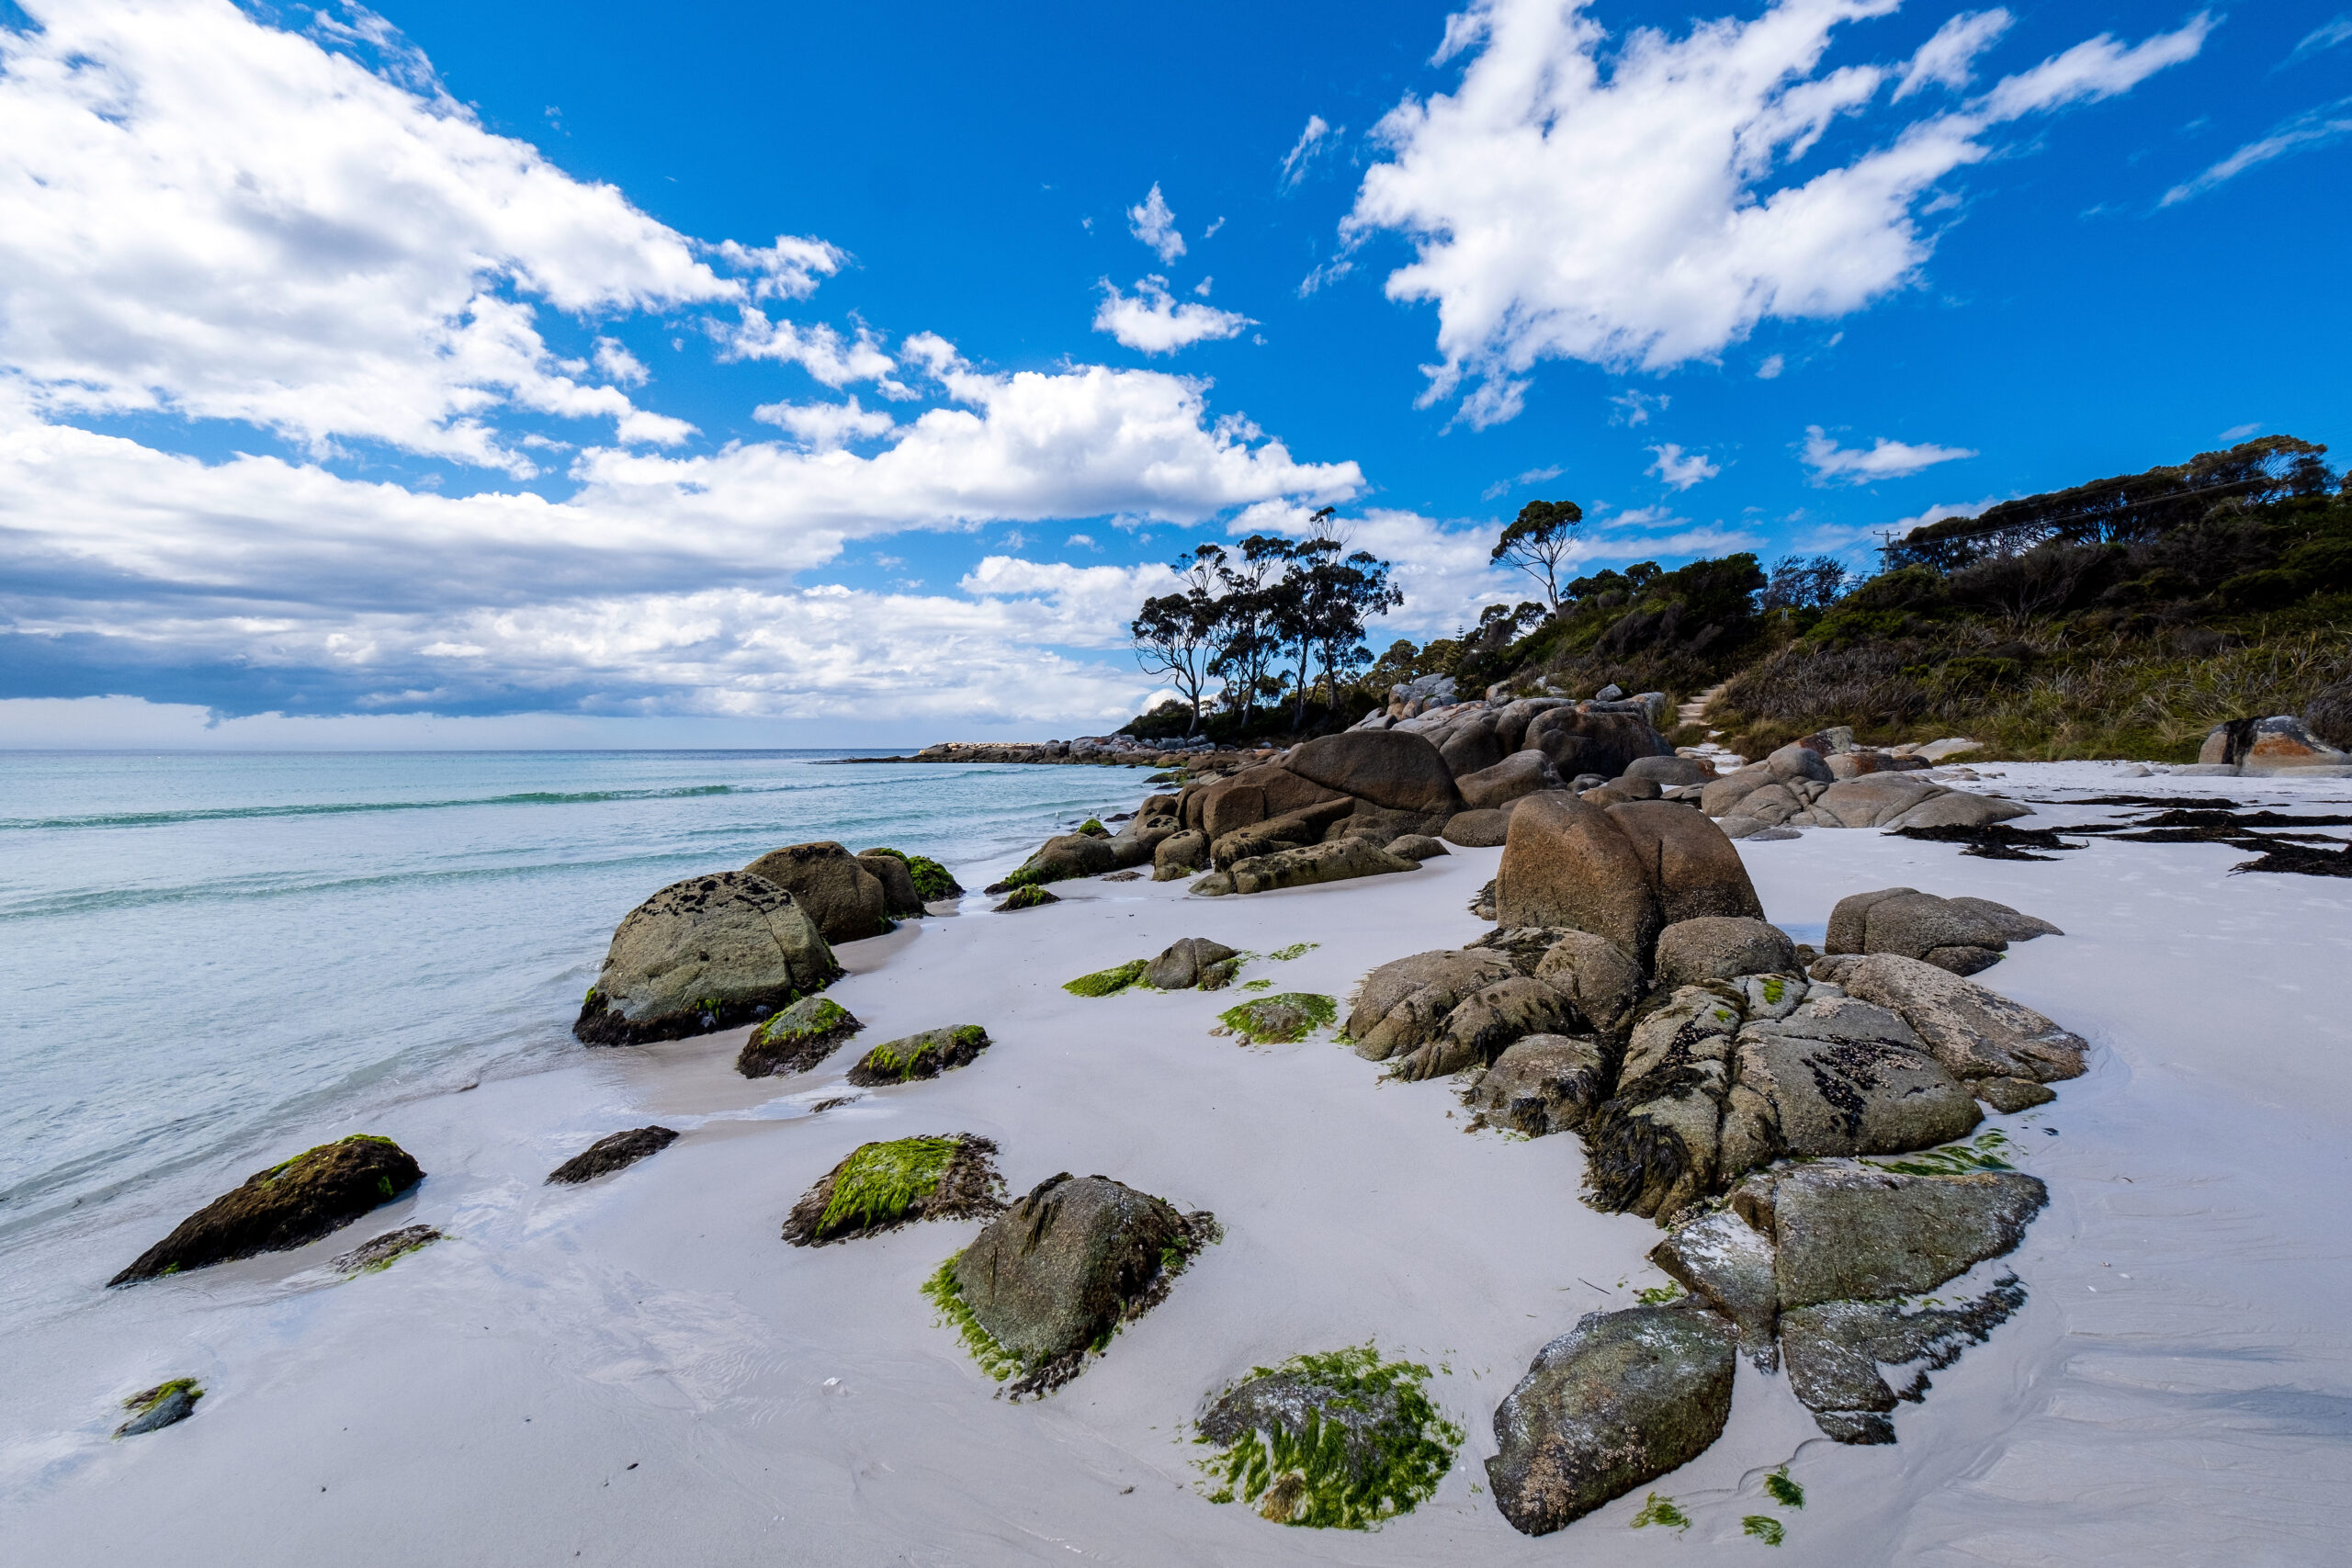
pixel 1150 318
pixel 1633 202
pixel 825 427
pixel 1679 470
pixel 205 216
pixel 1884 459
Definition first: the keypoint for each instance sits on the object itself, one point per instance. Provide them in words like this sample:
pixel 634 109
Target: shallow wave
pixel 334 808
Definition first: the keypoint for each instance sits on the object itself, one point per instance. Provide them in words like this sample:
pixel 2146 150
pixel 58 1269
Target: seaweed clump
pixel 1108 982
pixel 880 1187
pixel 1026 896
pixel 1337 1441
pixel 797 1039
pixel 1283 1019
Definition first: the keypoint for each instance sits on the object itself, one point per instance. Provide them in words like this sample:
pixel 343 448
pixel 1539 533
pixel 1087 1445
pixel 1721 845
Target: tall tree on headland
pixel 1175 634
pixel 1540 541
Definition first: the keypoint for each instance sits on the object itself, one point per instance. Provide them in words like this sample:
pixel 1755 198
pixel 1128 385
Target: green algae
pixel 1657 1510
pixel 1782 1490
pixel 880 1181
pixel 943 1293
pixel 1108 982
pixel 1764 1527
pixel 1296 950
pixel 1283 1019
pixel 1329 1472
pixel 1955 1160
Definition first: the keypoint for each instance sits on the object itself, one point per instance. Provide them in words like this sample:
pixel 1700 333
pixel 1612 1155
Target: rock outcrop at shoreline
pixel 706 953
pixel 615 1151
pixel 291 1204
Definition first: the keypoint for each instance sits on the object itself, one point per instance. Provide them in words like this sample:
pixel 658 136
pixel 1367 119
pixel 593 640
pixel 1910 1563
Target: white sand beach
pixel 640 1370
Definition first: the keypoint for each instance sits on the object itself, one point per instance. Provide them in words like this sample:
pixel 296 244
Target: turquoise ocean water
pixel 204 952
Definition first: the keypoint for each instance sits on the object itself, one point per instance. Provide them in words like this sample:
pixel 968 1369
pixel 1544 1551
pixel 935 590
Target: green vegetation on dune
pixel 2126 616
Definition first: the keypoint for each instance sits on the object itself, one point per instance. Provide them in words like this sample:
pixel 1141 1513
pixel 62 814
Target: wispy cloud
pixel 2311 128
pixel 1152 221
pixel 1636 407
pixel 1312 142
pixel 1532 476
pixel 2321 38
pixel 1884 459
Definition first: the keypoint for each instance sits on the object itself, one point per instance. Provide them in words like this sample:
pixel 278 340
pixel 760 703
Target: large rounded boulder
pixel 1623 872
pixel 1390 768
pixel 1620 1400
pixel 1603 743
pixel 1521 773
pixel 845 899
pixel 1053 1275
pixel 709 953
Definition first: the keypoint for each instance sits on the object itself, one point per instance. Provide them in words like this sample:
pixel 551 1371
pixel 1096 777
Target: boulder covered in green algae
pixel 881 1186
pixel 797 1039
pixel 923 1055
pixel 314 1194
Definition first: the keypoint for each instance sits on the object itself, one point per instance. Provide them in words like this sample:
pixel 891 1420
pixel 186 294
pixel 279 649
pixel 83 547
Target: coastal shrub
pixel 1108 982
pixel 1336 1440
pixel 1281 1019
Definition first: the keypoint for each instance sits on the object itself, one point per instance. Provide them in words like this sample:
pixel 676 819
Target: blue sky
pixel 792 375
